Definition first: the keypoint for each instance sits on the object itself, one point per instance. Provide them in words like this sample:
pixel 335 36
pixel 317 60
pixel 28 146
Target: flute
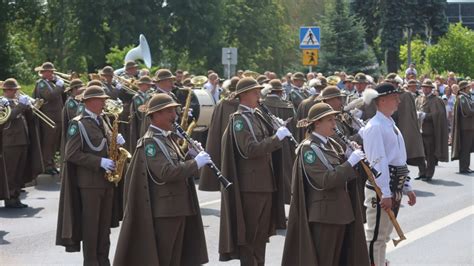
pixel 225 183
pixel 276 123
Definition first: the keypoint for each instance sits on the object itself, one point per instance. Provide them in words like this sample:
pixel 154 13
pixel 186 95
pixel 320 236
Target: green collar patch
pixel 72 130
pixel 71 104
pixel 238 125
pixel 138 101
pixel 309 157
pixel 80 108
pixel 150 150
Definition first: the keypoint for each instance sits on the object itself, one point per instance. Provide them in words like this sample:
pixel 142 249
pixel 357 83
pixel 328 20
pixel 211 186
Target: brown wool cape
pixel 284 110
pixel 136 243
pixel 232 223
pixel 299 247
pixel 220 117
pixel 440 123
pixel 407 121
pixel 456 134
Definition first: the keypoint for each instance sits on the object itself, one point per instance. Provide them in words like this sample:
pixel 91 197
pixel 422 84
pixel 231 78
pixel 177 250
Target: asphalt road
pixel 439 228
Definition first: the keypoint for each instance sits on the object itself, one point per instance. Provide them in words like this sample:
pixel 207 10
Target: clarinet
pixel 276 123
pixel 225 183
pixel 365 161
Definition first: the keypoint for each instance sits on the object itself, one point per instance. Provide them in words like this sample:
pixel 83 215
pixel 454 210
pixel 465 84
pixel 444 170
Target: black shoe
pixel 467 171
pixel 50 171
pixel 421 177
pixel 427 178
pixel 14 204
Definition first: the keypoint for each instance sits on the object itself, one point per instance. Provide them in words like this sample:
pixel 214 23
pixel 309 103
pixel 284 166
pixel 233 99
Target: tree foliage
pixel 343 47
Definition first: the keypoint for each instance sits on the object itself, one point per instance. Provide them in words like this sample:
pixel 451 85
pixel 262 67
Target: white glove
pixel 280 121
pixel 107 164
pixel 190 112
pixel 282 132
pixel 421 115
pixel 120 139
pixel 23 99
pixel 118 86
pixel 356 157
pixel 60 83
pixel 4 101
pixel 356 113
pixel 202 159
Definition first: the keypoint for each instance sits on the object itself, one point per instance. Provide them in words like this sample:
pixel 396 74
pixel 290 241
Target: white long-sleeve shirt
pixel 383 142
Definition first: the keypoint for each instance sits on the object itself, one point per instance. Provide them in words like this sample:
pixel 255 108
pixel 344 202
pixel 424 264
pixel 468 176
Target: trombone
pixel 35 107
pixel 127 84
pixel 65 77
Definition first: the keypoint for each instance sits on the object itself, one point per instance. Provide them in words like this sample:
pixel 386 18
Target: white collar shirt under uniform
pixel 383 142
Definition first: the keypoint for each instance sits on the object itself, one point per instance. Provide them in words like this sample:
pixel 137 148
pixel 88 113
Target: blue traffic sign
pixel 310 38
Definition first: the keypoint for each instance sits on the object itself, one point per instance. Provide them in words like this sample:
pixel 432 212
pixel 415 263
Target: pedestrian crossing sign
pixel 310 38
pixel 310 57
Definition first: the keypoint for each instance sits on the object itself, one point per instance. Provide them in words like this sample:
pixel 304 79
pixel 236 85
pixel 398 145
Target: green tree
pixel 4 55
pixel 343 47
pixel 453 52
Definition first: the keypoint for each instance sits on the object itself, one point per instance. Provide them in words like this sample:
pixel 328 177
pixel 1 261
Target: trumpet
pixel 225 183
pixel 5 111
pixel 35 107
pixel 127 84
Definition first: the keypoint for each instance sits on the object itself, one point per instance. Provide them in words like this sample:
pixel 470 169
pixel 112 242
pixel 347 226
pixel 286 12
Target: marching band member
pixel 136 117
pixel 162 223
pixel 324 226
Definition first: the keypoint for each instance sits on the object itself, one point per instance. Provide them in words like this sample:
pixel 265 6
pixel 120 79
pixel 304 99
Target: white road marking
pixel 433 227
pixel 209 203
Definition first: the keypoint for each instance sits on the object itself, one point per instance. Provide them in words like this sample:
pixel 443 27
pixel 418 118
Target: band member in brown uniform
pixel 285 112
pixel 385 149
pixel 131 74
pixel 72 108
pixel 249 212
pixel 463 128
pixel 219 120
pixel 322 218
pixel 406 119
pixel 434 130
pixel 51 91
pixel 136 117
pixel 15 143
pixel 298 92
pixel 305 105
pixel 162 223
pixel 111 86
pixel 86 197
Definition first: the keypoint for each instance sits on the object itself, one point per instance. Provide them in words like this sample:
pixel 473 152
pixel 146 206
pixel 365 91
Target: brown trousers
pixel 97 206
pixel 169 235
pixel 427 169
pixel 257 207
pixel 328 240
pixel 50 142
pixel 15 162
pixel 467 141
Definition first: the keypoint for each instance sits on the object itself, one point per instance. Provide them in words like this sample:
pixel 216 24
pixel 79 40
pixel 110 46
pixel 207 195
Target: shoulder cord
pixel 167 155
pixel 247 120
pixel 324 160
pixel 85 136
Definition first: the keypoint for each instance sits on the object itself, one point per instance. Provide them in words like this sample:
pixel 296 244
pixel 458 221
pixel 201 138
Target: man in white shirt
pixel 212 86
pixel 385 147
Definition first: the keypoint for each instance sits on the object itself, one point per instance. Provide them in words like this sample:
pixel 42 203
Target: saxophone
pixel 118 154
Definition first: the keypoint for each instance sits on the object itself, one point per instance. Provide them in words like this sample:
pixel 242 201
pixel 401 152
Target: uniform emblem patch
pixel 150 150
pixel 138 101
pixel 80 108
pixel 309 157
pixel 72 130
pixel 71 104
pixel 238 125
pixel 41 84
